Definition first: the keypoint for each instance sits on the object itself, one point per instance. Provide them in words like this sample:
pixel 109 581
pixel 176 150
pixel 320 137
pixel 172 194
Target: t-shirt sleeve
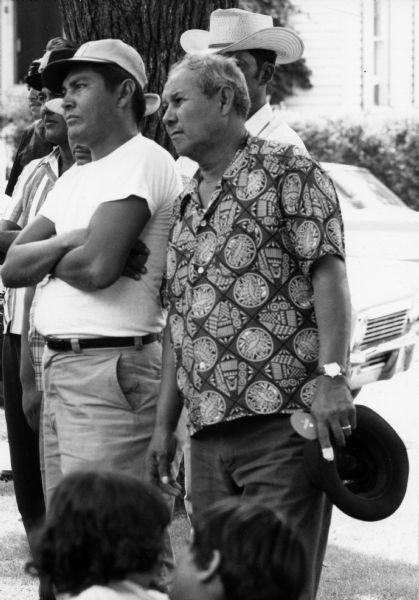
pixel 152 175
pixel 50 206
pixel 312 224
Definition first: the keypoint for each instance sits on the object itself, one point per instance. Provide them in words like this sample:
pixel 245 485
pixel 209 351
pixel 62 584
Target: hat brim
pixel 55 105
pixel 368 478
pixel 54 74
pixel 284 42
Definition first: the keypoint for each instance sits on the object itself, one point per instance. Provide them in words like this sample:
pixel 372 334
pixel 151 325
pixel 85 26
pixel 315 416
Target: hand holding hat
pixel 368 478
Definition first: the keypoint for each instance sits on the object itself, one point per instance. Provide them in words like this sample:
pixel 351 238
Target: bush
pixel 387 146
pixel 14 115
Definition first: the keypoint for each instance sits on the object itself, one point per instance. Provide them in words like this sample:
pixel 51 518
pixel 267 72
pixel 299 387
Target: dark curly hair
pixel 101 526
pixel 261 558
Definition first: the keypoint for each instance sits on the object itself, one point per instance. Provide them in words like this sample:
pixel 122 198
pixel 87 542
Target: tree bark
pixel 153 27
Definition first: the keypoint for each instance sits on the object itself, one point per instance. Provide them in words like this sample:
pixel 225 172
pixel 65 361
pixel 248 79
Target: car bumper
pixel 382 360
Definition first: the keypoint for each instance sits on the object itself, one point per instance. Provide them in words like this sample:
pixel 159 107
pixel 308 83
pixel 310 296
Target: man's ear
pixel 211 570
pixel 266 73
pixel 126 91
pixel 226 96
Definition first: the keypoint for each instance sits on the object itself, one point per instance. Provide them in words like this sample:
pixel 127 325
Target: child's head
pixel 100 527
pixel 240 551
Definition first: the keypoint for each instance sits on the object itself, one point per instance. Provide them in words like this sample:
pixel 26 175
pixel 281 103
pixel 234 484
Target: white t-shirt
pixel 123 590
pixel 264 123
pixel 142 168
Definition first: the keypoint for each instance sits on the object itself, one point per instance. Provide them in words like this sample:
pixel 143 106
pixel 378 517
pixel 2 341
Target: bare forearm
pixel 333 313
pixel 169 404
pixel 27 373
pixel 27 264
pixel 81 271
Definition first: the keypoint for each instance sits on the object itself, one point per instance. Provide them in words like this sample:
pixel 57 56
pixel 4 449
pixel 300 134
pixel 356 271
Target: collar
pixel 257 122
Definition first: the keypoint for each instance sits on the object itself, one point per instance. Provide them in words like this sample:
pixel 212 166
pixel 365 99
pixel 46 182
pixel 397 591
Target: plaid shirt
pixel 241 308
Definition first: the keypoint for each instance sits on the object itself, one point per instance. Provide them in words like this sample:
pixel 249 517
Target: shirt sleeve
pixel 153 177
pixel 312 224
pixel 50 206
pixel 14 211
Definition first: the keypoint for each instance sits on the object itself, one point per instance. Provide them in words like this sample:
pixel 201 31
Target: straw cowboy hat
pixel 368 478
pixel 233 29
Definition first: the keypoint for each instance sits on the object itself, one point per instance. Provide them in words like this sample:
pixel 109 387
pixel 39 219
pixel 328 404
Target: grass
pixel 355 576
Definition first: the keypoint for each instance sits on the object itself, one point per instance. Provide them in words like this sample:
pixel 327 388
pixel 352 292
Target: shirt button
pixel 200 269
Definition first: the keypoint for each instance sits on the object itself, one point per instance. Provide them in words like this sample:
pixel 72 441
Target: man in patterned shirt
pixel 259 309
pixel 256 45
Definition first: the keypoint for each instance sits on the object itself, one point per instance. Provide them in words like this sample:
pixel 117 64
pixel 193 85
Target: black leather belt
pixel 65 344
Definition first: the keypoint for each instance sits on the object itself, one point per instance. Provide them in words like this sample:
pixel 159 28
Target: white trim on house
pixel 363 54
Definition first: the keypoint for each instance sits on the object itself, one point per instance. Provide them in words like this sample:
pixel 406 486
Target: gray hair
pixel 217 71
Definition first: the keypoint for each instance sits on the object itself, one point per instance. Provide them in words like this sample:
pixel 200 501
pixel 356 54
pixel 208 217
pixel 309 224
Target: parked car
pixel 382 244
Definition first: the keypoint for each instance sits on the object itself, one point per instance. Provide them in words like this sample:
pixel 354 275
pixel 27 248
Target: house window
pixel 380 48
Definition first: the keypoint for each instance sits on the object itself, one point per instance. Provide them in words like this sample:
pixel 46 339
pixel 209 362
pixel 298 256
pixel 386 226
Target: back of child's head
pixel 261 557
pixel 100 527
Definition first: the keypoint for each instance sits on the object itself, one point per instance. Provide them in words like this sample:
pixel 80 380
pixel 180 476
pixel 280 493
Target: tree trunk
pixel 152 26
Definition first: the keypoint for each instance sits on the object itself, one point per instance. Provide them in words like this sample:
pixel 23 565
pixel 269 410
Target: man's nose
pixel 169 116
pixel 67 100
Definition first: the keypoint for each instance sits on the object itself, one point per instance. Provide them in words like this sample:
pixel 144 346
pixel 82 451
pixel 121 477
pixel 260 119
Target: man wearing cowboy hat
pixel 257 46
pixel 259 309
pixel 103 355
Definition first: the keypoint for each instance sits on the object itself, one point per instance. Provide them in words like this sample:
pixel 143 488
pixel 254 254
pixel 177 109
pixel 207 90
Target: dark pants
pixel 23 441
pixel 262 457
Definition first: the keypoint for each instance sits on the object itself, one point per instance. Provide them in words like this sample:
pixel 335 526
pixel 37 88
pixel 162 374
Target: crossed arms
pixel 87 259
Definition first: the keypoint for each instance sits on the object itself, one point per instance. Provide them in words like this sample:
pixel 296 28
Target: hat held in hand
pixel 368 478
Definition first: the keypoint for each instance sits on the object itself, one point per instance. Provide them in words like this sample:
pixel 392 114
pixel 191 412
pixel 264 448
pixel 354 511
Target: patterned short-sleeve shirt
pixel 241 309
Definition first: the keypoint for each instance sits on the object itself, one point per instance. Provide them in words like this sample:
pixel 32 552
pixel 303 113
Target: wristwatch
pixel 332 370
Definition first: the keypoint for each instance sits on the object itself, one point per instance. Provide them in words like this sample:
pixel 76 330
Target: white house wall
pixel 339 49
pixel 402 54
pixel 331 30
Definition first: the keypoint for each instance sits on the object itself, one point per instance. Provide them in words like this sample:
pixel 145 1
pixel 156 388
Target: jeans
pixel 23 441
pixel 261 458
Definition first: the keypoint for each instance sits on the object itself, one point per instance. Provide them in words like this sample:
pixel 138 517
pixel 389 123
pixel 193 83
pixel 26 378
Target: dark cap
pixel 48 58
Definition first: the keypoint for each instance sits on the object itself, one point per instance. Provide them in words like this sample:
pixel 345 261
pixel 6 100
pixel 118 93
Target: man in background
pixel 33 143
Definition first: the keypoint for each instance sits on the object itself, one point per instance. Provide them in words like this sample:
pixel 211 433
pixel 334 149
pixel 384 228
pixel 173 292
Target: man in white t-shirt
pixel 102 362
pixel 257 46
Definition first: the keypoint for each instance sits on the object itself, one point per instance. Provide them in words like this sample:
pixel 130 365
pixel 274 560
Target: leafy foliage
pixel 14 116
pixel 387 146
pixel 286 77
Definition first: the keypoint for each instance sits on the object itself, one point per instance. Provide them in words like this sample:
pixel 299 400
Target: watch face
pixel 332 369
